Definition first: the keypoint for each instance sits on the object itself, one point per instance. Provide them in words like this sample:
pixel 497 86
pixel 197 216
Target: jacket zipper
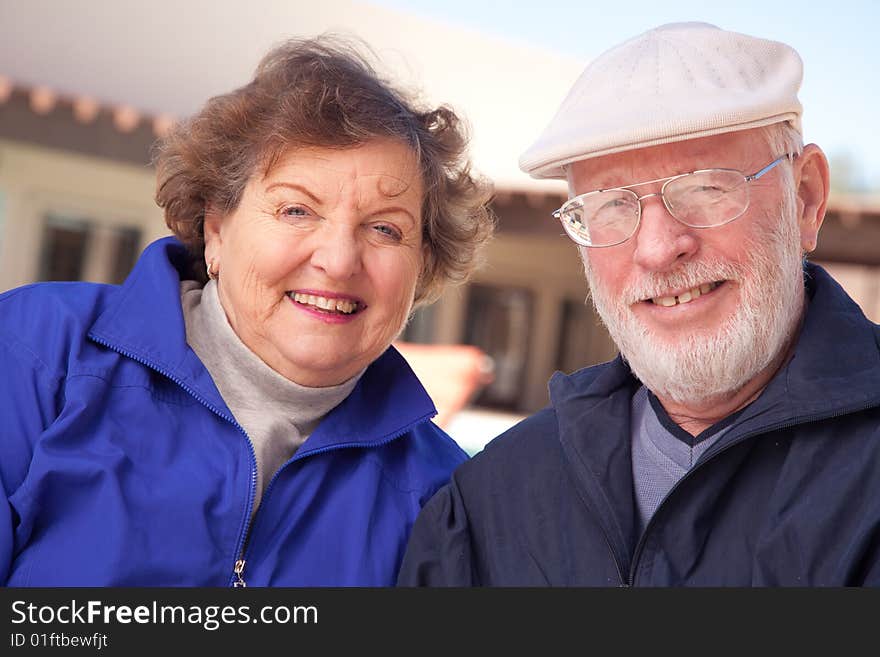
pixel 630 581
pixel 237 579
pixel 591 508
pixel 238 570
pixel 240 564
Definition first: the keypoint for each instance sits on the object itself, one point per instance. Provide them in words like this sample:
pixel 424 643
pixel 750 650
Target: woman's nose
pixel 661 241
pixel 338 254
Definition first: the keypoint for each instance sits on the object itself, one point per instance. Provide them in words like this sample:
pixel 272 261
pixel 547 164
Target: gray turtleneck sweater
pixel 276 413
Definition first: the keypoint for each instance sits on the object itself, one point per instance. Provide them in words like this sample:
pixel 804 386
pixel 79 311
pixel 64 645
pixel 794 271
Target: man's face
pixel 698 312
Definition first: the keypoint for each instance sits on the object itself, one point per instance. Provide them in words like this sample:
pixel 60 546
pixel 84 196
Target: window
pixel 421 326
pixel 127 249
pixel 499 321
pixel 77 249
pixel 583 341
pixel 65 241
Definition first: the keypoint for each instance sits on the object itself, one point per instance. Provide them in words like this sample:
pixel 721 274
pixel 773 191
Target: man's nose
pixel 661 241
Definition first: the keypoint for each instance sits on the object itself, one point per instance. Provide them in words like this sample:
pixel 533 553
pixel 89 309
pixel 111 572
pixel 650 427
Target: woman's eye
pixel 389 231
pixel 295 212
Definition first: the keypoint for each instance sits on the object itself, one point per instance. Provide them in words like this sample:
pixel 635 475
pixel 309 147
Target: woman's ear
pixel 812 181
pixel 213 238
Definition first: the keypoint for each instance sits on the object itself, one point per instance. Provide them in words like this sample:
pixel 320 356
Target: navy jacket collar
pixel 835 368
pixel 145 322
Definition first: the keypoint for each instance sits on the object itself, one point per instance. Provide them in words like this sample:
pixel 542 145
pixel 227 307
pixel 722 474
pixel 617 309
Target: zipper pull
pixel 238 570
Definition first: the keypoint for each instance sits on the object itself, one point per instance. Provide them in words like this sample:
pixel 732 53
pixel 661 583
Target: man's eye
pixel 613 204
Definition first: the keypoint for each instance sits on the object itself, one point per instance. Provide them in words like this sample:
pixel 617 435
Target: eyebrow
pixel 298 188
pixel 398 210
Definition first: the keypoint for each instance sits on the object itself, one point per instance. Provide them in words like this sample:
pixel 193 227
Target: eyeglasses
pixel 700 199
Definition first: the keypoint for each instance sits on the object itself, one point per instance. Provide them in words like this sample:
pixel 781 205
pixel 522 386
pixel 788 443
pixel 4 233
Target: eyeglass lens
pixel 701 199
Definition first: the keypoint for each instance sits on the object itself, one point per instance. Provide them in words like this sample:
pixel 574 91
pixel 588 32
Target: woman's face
pixel 318 265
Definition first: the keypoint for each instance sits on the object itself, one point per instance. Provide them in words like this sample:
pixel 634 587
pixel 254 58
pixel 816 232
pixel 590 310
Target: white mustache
pixel 688 276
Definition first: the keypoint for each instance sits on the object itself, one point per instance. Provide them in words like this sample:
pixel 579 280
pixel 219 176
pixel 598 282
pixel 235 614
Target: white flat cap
pixel 675 82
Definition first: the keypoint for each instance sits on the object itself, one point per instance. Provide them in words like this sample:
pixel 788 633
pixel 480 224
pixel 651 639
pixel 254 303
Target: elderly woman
pixel 234 413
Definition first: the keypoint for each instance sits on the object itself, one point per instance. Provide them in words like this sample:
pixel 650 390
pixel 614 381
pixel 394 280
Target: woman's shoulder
pixel 42 316
pixel 423 459
pixel 38 302
pixel 433 444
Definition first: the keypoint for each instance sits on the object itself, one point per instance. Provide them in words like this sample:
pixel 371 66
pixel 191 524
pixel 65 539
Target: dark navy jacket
pixel 121 464
pixel 789 496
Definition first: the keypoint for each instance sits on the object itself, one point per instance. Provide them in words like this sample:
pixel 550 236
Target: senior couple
pixel 234 413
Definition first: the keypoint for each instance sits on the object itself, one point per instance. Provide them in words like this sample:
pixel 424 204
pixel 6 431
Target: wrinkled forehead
pixel 384 166
pixel 745 150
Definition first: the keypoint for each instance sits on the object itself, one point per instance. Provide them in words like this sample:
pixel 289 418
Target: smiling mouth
pixel 684 297
pixel 331 306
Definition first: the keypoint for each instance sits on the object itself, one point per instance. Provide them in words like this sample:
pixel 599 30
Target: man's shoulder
pixel 528 435
pixel 533 444
pixel 513 453
pixel 535 432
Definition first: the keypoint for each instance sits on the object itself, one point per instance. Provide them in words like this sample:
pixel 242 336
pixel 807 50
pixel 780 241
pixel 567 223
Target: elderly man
pixel 736 440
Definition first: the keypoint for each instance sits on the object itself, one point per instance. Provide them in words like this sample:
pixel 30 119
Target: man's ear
pixel 812 181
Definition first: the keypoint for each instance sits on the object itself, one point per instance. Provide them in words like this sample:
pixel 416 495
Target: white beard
pixel 702 366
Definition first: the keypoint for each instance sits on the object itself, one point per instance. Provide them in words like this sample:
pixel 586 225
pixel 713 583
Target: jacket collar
pixel 145 322
pixel 835 368
pixel 593 413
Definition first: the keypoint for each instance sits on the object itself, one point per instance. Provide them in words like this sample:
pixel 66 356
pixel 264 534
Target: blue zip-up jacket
pixel 122 466
pixel 789 496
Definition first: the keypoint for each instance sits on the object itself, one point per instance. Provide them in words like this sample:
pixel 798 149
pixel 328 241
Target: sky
pixel 838 42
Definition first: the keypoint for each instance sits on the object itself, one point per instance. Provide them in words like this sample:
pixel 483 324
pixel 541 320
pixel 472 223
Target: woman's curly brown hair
pixel 323 92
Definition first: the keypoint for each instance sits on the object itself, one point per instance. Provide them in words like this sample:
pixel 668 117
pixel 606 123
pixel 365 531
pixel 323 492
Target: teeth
pixel 324 303
pixel 685 297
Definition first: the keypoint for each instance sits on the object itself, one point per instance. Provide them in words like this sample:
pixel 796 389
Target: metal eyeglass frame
pixel 557 214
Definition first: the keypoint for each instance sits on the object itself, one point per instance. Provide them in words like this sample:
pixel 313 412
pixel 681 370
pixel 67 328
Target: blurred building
pixel 82 102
